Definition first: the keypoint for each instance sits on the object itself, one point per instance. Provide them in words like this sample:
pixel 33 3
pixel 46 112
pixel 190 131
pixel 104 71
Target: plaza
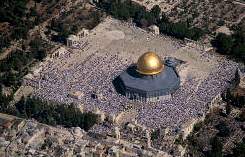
pixel 90 67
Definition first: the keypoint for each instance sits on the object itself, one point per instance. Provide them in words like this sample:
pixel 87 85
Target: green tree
pixel 239 150
pixel 217 147
pixel 242 116
pixel 9 79
pixel 126 9
pixel 223 43
pixel 4 101
pixel 224 130
pixel 155 11
pixel 55 114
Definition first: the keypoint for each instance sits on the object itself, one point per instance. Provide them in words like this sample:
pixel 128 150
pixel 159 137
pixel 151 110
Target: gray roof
pixel 164 82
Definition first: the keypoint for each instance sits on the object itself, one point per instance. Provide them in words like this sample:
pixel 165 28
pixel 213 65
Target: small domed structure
pixel 149 64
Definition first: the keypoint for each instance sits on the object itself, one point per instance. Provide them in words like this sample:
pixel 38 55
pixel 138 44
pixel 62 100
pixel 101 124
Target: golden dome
pixel 149 64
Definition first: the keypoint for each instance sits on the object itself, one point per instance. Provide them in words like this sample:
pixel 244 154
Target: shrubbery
pixel 4 102
pixel 223 129
pixel 64 27
pixel 19 19
pixel 155 134
pixel 232 45
pixel 239 150
pixel 55 114
pixel 126 10
pixel 17 64
pixel 234 99
pixel 241 116
pixel 217 147
pixel 197 126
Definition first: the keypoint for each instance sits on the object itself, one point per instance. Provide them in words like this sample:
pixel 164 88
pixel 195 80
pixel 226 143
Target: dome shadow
pixel 131 70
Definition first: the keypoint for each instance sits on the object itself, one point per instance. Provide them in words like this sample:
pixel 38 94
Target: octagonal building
pixel 148 80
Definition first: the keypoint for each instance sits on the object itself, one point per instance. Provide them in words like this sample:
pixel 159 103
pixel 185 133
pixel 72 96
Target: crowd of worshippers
pixel 94 77
pixel 189 101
